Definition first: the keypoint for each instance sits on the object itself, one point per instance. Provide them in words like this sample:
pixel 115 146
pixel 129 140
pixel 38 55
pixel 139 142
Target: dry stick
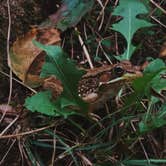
pixel 85 49
pixel 14 120
pixel 116 44
pixel 20 146
pixel 85 159
pixel 2 160
pixel 116 2
pixel 26 133
pixel 8 58
pixel 154 145
pixel 142 146
pixel 102 13
pixel 105 54
pixel 100 46
pixel 158 6
pixel 85 32
pixel 72 49
pixel 155 19
pixel 26 86
pixel 110 15
pixel 54 149
pixel 155 9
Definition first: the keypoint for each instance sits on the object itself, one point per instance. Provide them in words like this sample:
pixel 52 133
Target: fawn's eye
pixel 118 71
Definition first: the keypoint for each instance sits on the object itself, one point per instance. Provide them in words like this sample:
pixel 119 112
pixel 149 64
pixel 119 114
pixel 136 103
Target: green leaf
pixel 72 12
pixel 69 14
pixel 157 83
pixel 152 79
pixel 42 102
pixel 143 86
pixel 57 63
pixel 154 121
pixel 154 66
pixel 129 10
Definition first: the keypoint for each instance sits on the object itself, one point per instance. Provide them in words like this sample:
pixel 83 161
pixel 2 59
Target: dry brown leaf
pixel 163 51
pixel 27 59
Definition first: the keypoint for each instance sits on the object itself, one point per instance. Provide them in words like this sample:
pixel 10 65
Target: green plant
pixel 64 69
pixel 129 10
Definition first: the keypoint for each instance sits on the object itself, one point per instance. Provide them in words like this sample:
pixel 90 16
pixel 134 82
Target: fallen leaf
pixel 163 51
pixel 27 59
pixel 70 13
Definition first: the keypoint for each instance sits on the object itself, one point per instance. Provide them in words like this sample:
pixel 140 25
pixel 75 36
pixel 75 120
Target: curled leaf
pixel 27 59
pixel 70 13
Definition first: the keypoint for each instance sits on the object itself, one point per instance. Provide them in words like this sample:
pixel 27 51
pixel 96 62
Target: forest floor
pixel 113 136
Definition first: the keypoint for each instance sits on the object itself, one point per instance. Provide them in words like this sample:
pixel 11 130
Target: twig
pixel 85 50
pixel 2 160
pixel 158 6
pixel 139 139
pixel 155 19
pixel 26 133
pixel 8 58
pixel 9 125
pixel 116 44
pixel 26 86
pixel 54 149
pixel 105 54
pixel 102 13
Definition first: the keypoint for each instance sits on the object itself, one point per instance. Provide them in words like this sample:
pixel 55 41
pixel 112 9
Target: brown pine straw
pixel 27 132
